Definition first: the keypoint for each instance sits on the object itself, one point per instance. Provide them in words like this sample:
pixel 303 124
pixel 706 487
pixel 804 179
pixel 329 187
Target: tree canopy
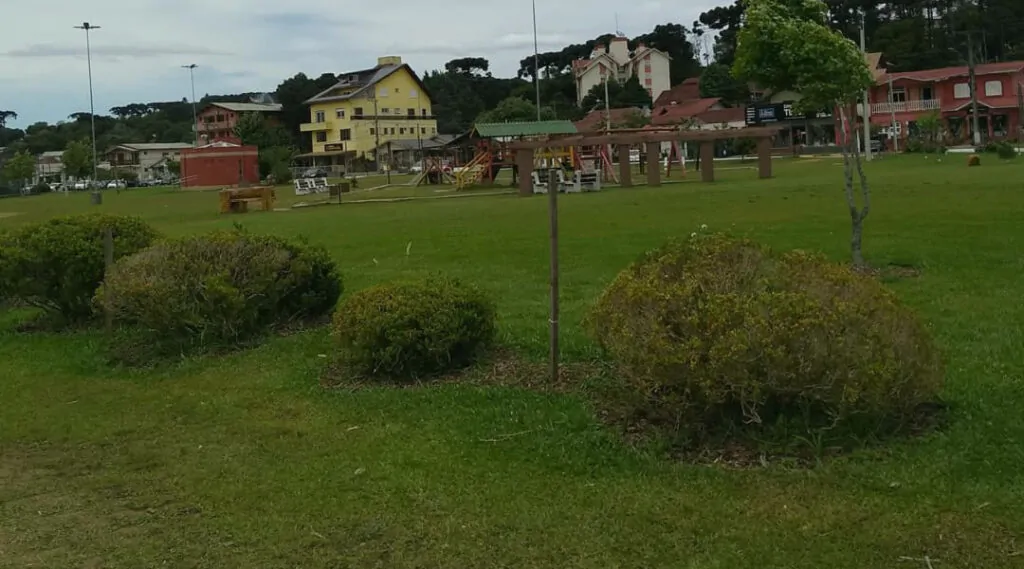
pixel 515 109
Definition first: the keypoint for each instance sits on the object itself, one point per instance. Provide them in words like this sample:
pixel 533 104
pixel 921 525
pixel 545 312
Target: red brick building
pixel 217 121
pixel 221 164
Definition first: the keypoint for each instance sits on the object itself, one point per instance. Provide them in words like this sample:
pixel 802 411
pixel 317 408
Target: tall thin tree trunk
pixel 851 160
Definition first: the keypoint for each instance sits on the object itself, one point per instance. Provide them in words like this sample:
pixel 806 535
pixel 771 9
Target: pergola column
pixel 625 168
pixel 707 161
pixel 524 162
pixel 764 158
pixel 653 163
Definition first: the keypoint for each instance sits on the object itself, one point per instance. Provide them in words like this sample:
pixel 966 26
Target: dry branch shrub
pixel 717 335
pixel 414 329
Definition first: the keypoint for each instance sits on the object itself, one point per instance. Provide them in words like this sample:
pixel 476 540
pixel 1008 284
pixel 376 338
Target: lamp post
pixel 536 58
pixel 195 118
pixel 92 107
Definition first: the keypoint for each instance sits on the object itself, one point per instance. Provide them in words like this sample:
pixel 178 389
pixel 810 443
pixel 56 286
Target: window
pixel 650 92
pixel 345 134
pixel 220 118
pixel 321 136
pixel 647 57
pixel 411 112
pixel 647 68
pixel 961 91
pixel 647 82
pixel 385 111
pixel 397 90
pixel 898 94
pixel 401 131
pixel 413 94
pixel 424 112
pixel 423 130
pixel 373 131
pixel 339 113
pixel 994 88
pixel 382 92
pixel 927 93
pixel 357 112
pixel 392 130
pixel 319 117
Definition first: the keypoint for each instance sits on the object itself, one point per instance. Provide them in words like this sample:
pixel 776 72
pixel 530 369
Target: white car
pixel 81 185
pixel 116 184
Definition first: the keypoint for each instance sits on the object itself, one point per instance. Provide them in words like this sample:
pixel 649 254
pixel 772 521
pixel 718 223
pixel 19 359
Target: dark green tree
pixel 717 81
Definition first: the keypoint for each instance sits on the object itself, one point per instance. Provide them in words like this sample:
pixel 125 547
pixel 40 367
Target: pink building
pixel 904 98
pixel 217 121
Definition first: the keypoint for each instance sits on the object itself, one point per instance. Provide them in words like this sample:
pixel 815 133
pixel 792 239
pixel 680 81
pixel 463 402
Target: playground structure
pixel 434 172
pixel 623 141
pixel 493 153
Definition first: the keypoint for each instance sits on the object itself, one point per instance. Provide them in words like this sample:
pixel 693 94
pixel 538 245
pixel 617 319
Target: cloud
pixel 111 51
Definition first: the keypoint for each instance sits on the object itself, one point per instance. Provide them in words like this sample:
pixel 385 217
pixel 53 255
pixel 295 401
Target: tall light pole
pixel 92 107
pixel 195 118
pixel 536 58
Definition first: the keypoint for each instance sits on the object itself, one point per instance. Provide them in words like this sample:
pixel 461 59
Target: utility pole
pixel 973 79
pixel 536 58
pixel 92 107
pixel 195 117
pixel 867 101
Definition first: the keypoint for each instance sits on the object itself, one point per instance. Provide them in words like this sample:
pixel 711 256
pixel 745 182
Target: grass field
pixel 244 461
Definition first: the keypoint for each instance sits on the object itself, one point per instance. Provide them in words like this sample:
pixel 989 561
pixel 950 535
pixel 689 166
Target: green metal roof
pixel 511 129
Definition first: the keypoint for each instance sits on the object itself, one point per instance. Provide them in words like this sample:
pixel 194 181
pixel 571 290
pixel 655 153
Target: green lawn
pixel 244 461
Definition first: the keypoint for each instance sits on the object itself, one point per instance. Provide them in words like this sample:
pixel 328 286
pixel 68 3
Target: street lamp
pixel 195 118
pixel 536 58
pixel 92 107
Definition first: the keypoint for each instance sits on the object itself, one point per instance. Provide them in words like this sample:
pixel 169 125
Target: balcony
pixel 394 118
pixel 918 106
pixel 316 126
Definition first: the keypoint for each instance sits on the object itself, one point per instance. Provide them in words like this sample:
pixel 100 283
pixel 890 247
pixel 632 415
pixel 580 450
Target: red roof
pixel 719 116
pixel 688 90
pixel 595 119
pixel 672 114
pixel 953 72
pixel 991 103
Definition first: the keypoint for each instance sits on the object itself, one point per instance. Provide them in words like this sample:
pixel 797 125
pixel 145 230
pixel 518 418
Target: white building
pixel 147 160
pixel 649 65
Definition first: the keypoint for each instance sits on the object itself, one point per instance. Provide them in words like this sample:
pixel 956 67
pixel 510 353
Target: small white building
pixel 147 160
pixel 615 62
pixel 50 167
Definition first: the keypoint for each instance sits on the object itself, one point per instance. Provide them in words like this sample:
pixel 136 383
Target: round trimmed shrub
pixel 413 329
pixel 57 265
pixel 221 290
pixel 717 335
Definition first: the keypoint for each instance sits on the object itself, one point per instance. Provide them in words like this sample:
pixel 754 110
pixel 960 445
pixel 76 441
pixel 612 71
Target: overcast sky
pixel 252 45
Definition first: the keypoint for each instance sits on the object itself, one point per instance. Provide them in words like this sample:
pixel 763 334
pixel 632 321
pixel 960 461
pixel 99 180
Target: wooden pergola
pixel 624 140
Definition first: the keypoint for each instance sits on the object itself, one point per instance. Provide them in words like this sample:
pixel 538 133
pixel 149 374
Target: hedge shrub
pixel 215 291
pixel 715 334
pixel 58 264
pixel 414 329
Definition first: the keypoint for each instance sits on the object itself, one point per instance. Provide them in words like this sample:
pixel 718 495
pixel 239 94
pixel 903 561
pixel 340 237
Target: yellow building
pixel 367 109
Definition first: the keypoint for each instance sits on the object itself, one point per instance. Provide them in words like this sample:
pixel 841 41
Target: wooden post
pixel 707 161
pixel 524 158
pixel 625 168
pixel 653 163
pixel 553 188
pixel 764 158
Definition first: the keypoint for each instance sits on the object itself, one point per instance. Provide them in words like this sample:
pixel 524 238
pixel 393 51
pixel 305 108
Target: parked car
pixel 315 173
pixel 81 185
pixel 116 184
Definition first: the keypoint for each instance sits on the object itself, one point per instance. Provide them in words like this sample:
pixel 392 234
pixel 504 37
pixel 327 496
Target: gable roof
pixel 688 90
pixel 533 128
pixel 675 113
pixel 136 146
pixel 362 81
pixel 941 74
pixel 595 119
pixel 249 107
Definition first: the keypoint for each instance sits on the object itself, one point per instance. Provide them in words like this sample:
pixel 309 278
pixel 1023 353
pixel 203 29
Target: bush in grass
pixel 974 160
pixel 57 265
pixel 413 329
pixel 717 335
pixel 215 291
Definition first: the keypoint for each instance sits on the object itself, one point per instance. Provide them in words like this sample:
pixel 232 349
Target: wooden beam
pixel 632 138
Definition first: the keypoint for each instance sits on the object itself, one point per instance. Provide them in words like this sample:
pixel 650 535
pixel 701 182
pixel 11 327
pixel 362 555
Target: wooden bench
pixel 306 186
pixel 238 200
